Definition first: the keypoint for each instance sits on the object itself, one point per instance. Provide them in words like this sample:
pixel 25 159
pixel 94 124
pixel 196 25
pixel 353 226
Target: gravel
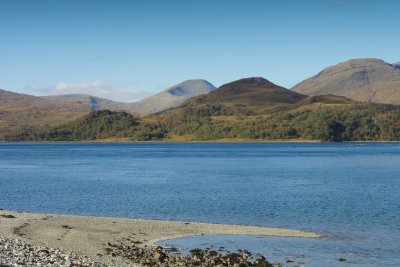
pixel 15 252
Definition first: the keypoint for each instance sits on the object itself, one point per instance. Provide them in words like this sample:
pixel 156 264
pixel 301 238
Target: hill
pixel 21 112
pixel 366 80
pixel 173 96
pixel 253 95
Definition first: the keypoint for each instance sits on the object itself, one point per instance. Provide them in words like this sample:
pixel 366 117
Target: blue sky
pixel 126 50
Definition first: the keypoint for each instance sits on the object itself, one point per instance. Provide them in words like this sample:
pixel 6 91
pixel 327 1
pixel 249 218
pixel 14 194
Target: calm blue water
pixel 348 192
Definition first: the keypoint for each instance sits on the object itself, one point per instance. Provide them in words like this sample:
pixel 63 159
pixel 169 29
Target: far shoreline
pixel 216 141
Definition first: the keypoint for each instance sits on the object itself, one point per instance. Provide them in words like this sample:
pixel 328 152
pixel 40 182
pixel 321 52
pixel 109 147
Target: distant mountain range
pixel 336 104
pixel 366 80
pixel 173 96
pixel 250 108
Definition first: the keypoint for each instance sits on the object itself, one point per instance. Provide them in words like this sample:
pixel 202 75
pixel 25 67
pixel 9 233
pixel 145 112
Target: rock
pixel 246 255
pixel 15 252
pixel 67 262
pixel 160 256
pixel 8 216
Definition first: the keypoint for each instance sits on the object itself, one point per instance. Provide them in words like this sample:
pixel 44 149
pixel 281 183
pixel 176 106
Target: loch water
pixel 348 192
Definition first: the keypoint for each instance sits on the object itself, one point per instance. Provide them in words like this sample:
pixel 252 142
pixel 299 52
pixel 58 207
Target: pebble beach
pixel 30 239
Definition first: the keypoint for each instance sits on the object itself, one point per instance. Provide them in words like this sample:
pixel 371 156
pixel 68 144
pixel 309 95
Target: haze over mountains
pixel 366 80
pixel 173 96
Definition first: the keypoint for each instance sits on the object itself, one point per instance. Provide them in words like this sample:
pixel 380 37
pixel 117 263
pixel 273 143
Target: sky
pixel 127 50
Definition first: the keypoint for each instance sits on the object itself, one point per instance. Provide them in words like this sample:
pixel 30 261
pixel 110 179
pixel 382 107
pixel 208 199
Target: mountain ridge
pixel 173 96
pixel 94 102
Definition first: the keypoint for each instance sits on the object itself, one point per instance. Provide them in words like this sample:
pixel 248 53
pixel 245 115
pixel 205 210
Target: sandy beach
pixel 90 236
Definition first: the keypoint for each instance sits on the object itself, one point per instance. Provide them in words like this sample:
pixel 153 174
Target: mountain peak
pixel 252 94
pixel 364 61
pixel 365 79
pixel 191 88
pixel 357 63
pixel 173 96
pixel 255 80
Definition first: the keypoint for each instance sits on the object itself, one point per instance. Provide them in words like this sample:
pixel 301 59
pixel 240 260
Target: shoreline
pixel 91 236
pixel 217 141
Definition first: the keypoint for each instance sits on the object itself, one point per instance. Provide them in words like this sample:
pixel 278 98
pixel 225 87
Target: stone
pixel 160 256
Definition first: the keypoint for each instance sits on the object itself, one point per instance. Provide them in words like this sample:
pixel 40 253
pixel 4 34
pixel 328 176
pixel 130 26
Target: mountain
pixel 366 80
pixel 20 112
pixel 95 103
pixel 254 96
pixel 171 97
pixel 252 91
